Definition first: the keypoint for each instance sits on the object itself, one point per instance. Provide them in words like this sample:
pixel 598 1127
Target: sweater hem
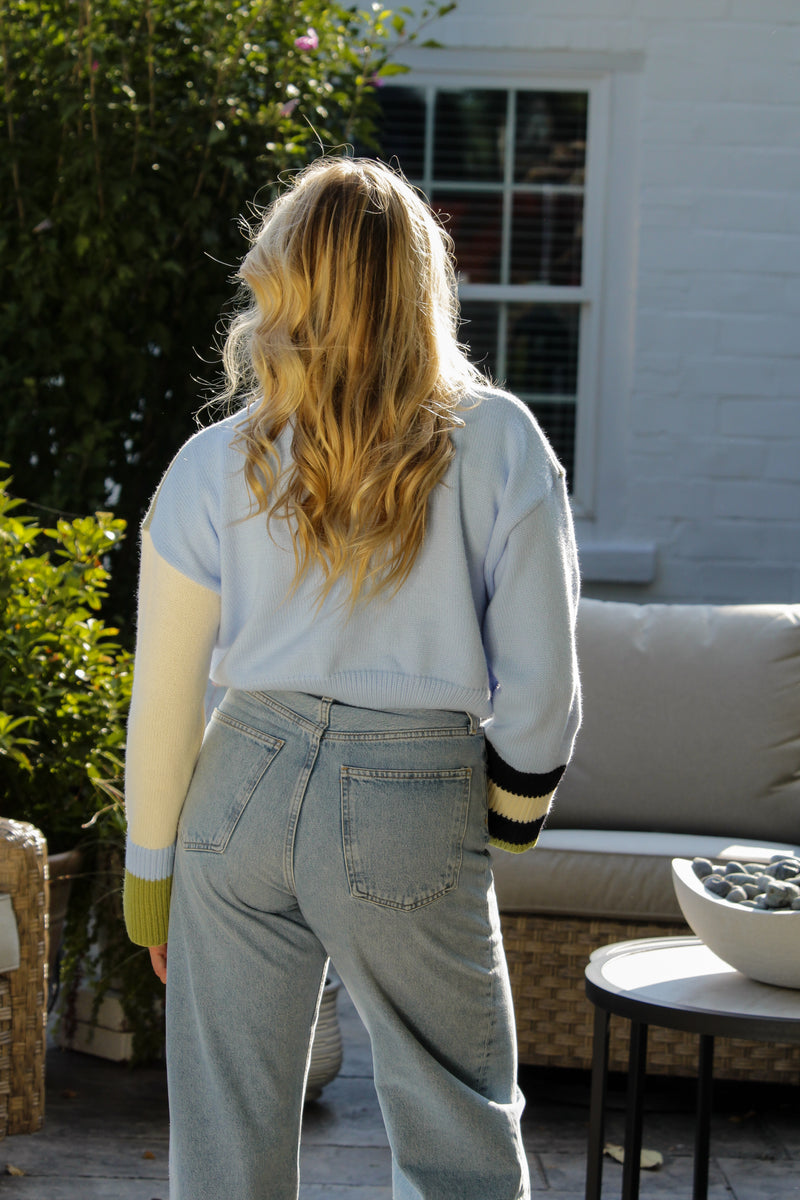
pixel 383 690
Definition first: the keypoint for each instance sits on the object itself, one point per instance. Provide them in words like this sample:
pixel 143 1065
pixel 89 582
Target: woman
pixel 373 556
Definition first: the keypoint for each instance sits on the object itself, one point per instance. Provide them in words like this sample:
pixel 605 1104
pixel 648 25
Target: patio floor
pixel 106 1128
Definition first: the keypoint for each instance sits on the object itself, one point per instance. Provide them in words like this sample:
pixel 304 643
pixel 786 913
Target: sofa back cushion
pixel 691 721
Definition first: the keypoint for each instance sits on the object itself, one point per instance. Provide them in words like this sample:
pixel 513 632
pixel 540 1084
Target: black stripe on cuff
pixel 520 783
pixel 515 833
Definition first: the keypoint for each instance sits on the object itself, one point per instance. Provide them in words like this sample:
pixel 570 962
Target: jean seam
pixel 396 735
pixel 248 730
pixel 484 1068
pixel 289 714
pixel 296 804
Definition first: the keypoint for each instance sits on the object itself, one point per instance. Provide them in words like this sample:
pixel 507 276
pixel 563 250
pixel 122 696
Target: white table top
pixel 682 974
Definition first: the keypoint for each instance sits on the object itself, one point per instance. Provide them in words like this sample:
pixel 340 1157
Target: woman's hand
pixel 158 957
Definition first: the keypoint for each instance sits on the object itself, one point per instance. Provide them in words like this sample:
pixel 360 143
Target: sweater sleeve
pixel 529 635
pixel 176 632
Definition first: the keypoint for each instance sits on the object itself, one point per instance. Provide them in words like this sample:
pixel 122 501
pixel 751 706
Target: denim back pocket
pixel 231 764
pixel 403 833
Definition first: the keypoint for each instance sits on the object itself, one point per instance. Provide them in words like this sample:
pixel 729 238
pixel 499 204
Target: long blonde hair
pixel 349 336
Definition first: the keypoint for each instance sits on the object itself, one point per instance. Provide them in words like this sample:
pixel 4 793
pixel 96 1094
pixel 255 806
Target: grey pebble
pixel 772 888
pixel 777 895
pixel 717 884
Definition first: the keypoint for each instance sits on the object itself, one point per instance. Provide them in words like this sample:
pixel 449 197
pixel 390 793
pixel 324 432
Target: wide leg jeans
pixel 315 829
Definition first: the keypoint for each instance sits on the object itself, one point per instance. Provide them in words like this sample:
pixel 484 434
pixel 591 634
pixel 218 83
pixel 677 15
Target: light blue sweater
pixel 485 622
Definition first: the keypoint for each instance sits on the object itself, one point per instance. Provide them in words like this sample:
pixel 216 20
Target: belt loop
pixel 325 710
pixel 474 723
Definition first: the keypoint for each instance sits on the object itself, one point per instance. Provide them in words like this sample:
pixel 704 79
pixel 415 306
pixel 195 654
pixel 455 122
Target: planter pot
pixel 62 868
pixel 326 1050
pixel 107 1035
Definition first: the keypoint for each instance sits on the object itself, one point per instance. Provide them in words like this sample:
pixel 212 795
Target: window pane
pixel 536 214
pixel 547 238
pixel 542 349
pixel 551 137
pixel 543 362
pixel 558 423
pixel 401 128
pixel 469 135
pixel 479 333
pixel 475 224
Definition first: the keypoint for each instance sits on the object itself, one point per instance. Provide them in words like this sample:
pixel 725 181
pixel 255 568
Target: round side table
pixel 675 983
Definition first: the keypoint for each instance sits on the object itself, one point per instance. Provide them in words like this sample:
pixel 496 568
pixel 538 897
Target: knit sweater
pixel 484 623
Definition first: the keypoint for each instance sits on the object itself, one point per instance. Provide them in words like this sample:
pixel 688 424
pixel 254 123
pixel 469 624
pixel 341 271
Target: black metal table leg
pixel 633 1116
pixel 597 1105
pixel 702 1133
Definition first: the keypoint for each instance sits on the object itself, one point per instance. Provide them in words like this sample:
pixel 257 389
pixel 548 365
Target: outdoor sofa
pixel 690 746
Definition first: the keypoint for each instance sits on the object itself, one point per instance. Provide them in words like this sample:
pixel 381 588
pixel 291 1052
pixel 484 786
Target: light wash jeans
pixel 313 828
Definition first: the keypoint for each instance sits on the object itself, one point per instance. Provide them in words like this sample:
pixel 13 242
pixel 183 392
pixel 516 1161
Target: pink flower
pixel 376 81
pixel 309 40
pixel 289 108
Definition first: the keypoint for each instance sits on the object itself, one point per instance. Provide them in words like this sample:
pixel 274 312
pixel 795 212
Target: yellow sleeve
pixel 177 626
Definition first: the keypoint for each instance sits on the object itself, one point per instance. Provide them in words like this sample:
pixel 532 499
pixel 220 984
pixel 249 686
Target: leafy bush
pixel 64 694
pixel 134 134
pixel 64 681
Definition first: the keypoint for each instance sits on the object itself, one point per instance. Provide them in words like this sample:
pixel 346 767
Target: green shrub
pixel 134 134
pixel 65 688
pixel 64 681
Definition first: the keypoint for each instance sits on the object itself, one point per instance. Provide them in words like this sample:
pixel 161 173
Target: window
pixel 507 168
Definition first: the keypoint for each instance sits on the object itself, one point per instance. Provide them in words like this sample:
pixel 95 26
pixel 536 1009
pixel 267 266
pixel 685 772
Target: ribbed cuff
pixel 500 845
pixel 514 836
pixel 146 907
pixel 519 802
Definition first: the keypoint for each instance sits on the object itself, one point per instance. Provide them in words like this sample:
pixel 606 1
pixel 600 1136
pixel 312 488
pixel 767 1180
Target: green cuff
pixel 511 847
pixel 146 907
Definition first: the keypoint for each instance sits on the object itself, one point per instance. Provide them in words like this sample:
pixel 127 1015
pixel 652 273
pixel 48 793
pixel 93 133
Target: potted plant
pixel 64 694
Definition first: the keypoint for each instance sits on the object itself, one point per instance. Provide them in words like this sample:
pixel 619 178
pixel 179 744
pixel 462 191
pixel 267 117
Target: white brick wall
pixel 704 458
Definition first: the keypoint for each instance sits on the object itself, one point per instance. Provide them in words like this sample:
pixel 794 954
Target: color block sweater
pixel 485 623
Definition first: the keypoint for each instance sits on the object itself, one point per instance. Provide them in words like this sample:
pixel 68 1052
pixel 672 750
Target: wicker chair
pixel 23 1015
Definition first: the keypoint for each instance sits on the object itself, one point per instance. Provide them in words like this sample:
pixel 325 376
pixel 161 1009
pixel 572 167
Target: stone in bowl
pixel 762 944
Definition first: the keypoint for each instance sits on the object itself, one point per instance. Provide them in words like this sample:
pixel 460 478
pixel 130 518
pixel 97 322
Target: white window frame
pixel 454 70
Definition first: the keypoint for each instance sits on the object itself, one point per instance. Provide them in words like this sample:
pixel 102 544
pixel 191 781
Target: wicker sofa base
pixel 546 960
pixel 23 1015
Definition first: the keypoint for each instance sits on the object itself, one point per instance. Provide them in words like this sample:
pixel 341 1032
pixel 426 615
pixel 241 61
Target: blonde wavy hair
pixel 350 336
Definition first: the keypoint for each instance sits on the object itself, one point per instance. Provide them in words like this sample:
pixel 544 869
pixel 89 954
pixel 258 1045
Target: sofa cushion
pixel 610 873
pixel 9 935
pixel 691 721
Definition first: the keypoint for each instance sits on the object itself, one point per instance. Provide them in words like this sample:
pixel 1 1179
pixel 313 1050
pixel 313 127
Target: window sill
pixel 608 562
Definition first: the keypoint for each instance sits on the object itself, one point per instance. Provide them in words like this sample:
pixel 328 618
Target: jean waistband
pixel 337 717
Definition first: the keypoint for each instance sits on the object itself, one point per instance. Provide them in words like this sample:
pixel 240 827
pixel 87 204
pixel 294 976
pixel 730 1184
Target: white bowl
pixel 761 944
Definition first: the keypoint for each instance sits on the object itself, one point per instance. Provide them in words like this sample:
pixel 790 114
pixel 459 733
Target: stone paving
pixel 106 1131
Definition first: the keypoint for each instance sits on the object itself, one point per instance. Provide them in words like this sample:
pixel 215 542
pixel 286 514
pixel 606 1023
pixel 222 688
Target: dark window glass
pixel 469 135
pixel 542 349
pixel 475 223
pixel 479 333
pixel 401 128
pixel 546 238
pixel 558 423
pixel 551 137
